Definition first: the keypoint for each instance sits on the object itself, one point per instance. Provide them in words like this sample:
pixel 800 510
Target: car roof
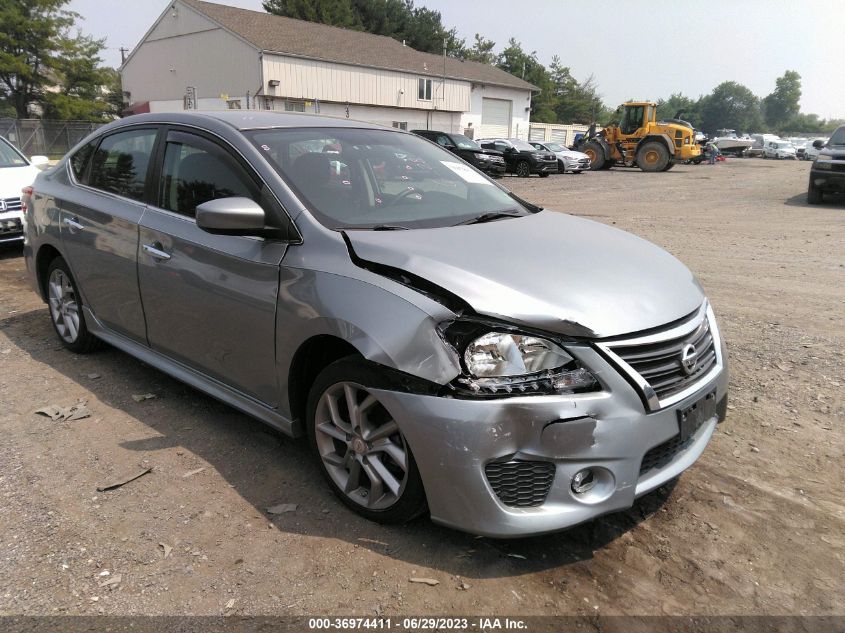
pixel 249 119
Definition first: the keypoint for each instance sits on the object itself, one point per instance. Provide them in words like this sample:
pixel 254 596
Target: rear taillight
pixel 27 194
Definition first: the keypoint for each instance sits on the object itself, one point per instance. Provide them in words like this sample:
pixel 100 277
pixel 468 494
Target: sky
pixel 644 49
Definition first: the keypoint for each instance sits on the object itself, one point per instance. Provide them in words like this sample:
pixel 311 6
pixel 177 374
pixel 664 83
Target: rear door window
pixel 121 161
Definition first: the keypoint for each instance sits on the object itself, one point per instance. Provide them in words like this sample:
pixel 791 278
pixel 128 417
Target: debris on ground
pixel 124 481
pixel 65 414
pixel 282 508
pixel 191 473
pixel 167 549
pixel 230 605
pixel 140 397
pixel 112 581
pixel 431 582
pixel 93 376
pixel 519 556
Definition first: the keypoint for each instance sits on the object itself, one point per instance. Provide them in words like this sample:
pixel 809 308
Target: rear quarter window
pixel 79 161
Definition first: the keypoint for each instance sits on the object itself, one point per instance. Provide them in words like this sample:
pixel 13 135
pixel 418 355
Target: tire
pixel 595 151
pixel 652 156
pixel 814 194
pixel 544 174
pixel 65 305
pixel 561 167
pixel 387 487
pixel 610 162
pixel 523 169
pixel 669 165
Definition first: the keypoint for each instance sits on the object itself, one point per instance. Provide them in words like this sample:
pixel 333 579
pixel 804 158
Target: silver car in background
pixel 568 160
pixel 444 345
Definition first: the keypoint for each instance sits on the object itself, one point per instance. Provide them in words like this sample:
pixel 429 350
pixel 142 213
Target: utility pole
pixel 123 52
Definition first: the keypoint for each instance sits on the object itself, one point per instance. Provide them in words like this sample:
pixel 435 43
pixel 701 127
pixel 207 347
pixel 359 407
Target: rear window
pixel 79 161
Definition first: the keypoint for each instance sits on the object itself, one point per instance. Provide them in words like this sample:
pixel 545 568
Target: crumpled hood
pixel 548 270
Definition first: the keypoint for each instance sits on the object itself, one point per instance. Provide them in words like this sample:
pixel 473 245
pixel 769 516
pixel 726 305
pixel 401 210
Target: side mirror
pixel 42 162
pixel 818 143
pixel 231 216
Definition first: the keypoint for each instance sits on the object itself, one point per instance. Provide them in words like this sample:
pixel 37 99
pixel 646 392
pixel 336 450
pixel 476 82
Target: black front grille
pixel 521 484
pixel 11 226
pixel 661 455
pixel 11 204
pixel 660 363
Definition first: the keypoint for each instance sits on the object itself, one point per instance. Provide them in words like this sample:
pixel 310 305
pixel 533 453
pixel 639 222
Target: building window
pixel 401 125
pixel 294 106
pixel 424 89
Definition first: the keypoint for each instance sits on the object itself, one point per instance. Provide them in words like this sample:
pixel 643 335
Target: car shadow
pixel 11 250
pixel 830 200
pixel 266 468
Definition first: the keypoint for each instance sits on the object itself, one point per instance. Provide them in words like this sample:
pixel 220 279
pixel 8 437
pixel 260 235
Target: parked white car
pixel 778 149
pixel 810 152
pixel 16 172
pixel 567 159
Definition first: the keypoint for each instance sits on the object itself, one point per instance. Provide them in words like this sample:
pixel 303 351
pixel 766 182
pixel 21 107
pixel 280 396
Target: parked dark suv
pixel 827 175
pixel 487 160
pixel 521 158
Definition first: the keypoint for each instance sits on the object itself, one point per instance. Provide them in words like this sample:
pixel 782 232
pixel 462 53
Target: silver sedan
pixel 444 346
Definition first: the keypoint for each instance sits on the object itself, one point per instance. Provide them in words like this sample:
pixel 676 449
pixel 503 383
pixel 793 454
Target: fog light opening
pixel 583 481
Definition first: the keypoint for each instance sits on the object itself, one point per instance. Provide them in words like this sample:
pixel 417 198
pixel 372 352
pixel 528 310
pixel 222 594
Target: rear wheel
pixel 669 166
pixel 523 169
pixel 595 152
pixel 814 194
pixel 362 453
pixel 66 309
pixel 652 156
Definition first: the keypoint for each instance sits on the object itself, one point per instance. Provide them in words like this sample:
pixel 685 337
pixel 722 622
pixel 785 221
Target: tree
pixel 782 104
pixel 575 102
pixel 481 51
pixel 730 105
pixel 43 66
pixel 524 65
pixel 334 12
pixel 678 104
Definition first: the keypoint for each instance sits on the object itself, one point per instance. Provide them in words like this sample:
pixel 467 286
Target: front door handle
pixel 73 224
pixel 154 251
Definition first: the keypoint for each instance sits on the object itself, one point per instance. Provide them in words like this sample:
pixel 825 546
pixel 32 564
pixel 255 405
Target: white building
pixel 211 56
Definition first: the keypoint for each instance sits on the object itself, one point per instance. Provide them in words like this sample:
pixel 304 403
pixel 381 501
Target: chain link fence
pixel 47 137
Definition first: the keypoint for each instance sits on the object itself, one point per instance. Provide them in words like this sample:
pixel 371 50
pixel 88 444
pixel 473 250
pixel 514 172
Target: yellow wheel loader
pixel 640 140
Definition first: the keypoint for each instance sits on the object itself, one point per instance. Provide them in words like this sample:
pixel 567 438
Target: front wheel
pixel 523 169
pixel 362 453
pixel 814 194
pixel 595 152
pixel 66 309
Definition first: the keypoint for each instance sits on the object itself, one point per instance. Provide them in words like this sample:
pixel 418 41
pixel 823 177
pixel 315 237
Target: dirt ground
pixel 756 526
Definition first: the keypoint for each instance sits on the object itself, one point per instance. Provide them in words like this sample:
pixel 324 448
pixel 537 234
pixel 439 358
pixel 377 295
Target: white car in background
pixel 567 159
pixel 779 149
pixel 811 152
pixel 16 172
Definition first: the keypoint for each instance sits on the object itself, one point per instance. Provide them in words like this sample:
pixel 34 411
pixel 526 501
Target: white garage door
pixel 495 118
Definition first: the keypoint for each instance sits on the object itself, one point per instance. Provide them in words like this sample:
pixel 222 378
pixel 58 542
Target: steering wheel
pixel 405 194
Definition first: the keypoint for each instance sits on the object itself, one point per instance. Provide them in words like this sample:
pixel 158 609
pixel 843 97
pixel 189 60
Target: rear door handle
pixel 73 224
pixel 154 251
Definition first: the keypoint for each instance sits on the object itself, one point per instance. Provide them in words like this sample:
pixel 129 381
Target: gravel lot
pixel 756 526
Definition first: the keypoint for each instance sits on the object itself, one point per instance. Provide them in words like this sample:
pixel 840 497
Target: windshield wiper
pixel 492 215
pixel 389 227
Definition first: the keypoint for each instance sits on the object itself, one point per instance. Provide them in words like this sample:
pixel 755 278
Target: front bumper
pixel 544 167
pixel 828 180
pixel 453 440
pixel 573 164
pixel 496 169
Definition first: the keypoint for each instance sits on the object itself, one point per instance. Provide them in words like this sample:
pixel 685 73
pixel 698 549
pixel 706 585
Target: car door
pixel 210 300
pixel 99 217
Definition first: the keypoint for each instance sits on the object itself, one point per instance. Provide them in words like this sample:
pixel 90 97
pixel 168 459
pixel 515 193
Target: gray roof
pixel 275 34
pixel 250 119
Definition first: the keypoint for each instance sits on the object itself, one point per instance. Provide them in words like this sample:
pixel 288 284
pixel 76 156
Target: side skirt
pixel 192 377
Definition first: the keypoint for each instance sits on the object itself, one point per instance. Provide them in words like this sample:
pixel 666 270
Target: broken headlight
pixel 509 362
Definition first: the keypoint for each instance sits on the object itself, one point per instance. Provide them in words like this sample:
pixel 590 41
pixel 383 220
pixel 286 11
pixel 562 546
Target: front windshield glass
pixel 838 137
pixel 464 142
pixel 362 179
pixel 555 147
pixel 9 156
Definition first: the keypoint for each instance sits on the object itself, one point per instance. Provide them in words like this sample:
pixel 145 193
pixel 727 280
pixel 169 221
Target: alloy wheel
pixel 360 446
pixel 64 307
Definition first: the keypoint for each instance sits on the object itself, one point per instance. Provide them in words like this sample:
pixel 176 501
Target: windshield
pixel 838 137
pixel 9 156
pixel 464 142
pixel 359 178
pixel 522 146
pixel 555 147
